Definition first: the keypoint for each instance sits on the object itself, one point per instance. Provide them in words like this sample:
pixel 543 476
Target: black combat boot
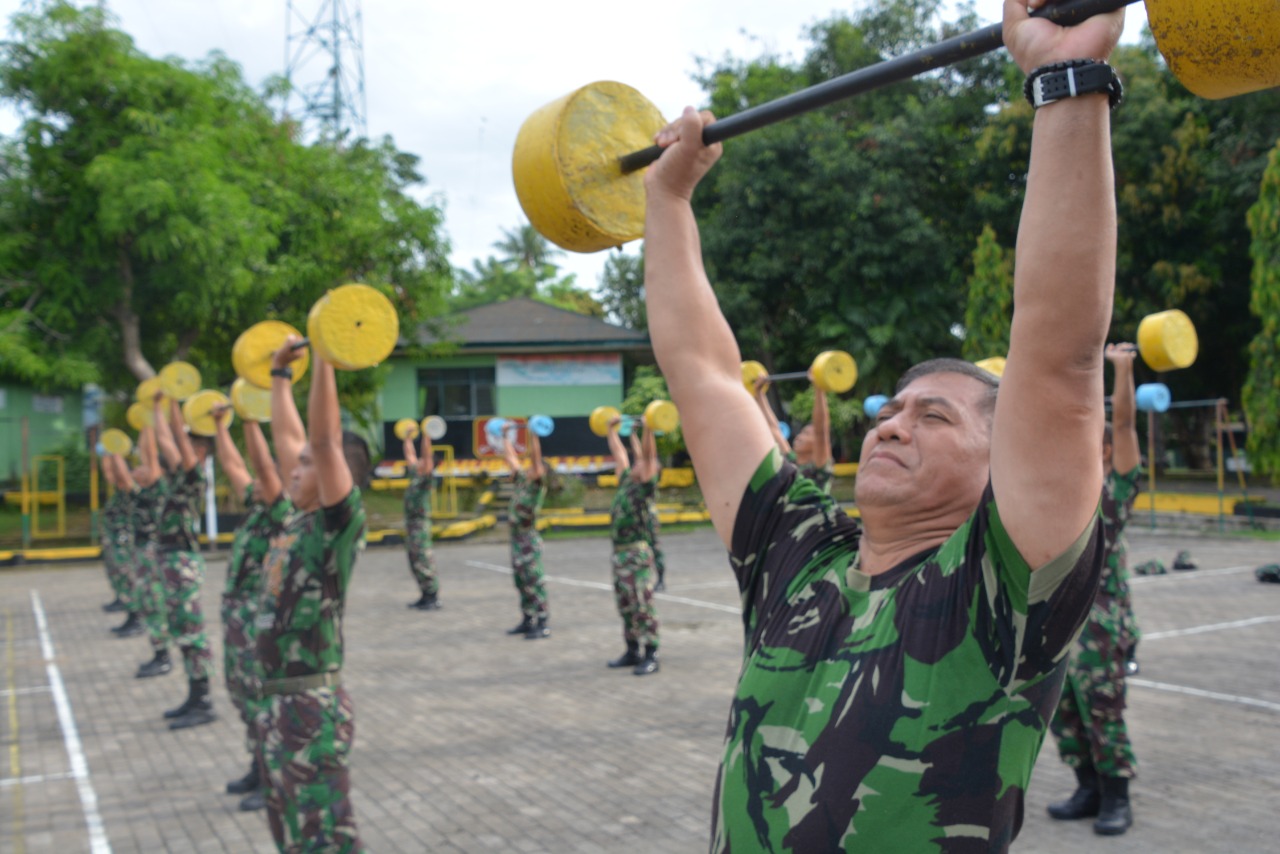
pixel 1084 802
pixel 630 658
pixel 114 605
pixel 247 783
pixel 255 800
pixel 179 711
pixel 200 709
pixel 159 665
pixel 525 625
pixel 418 604
pixel 538 630
pixel 130 627
pixel 1115 816
pixel 428 603
pixel 648 664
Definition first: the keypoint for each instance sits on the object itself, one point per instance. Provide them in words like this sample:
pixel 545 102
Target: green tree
pixel 525 269
pixel 647 386
pixel 622 290
pixel 1262 388
pixel 845 416
pixel 155 208
pixel 989 311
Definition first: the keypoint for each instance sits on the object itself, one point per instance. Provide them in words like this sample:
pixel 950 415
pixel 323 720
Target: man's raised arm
pixel 693 343
pixel 1046 443
pixel 324 429
pixel 267 483
pixel 287 433
pixel 1125 454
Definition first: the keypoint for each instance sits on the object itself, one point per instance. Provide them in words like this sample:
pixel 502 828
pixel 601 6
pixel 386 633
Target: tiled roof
pixel 525 323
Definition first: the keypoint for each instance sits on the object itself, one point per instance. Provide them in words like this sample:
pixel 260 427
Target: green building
pixel 38 422
pixel 516 358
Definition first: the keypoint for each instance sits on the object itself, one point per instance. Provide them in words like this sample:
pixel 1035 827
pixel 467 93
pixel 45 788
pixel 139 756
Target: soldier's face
pixel 929 451
pixel 304 485
pixel 803 445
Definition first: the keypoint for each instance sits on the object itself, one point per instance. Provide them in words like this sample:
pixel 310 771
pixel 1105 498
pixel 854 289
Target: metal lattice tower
pixel 324 66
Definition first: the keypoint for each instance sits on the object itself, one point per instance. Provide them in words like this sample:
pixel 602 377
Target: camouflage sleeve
pixel 1127 486
pixel 1041 612
pixel 784 522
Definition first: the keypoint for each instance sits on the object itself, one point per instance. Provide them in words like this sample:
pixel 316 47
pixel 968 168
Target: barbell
pixel 582 191
pixel 1152 397
pixel 116 441
pixel 250 402
pixel 198 411
pixel 660 416
pixel 407 429
pixel 833 371
pixel 541 426
pixel 352 327
pixel 139 414
pixel 179 380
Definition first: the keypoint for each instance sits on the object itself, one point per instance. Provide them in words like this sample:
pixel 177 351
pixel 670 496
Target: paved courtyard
pixel 470 740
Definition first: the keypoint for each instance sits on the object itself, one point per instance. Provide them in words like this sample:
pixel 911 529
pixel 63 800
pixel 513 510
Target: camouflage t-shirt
pixel 1119 491
pixel 252 541
pixel 626 513
pixel 177 516
pixel 819 474
pixel 417 498
pixel 146 511
pixel 306 573
pixel 896 712
pixel 526 500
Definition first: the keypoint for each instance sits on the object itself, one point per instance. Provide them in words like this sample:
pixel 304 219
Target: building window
pixel 455 392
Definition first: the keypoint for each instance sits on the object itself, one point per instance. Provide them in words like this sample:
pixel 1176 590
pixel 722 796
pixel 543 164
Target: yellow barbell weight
pixel 198 411
pixel 833 371
pixel 147 389
pixel 116 441
pixel 1167 340
pixel 406 429
pixel 252 352
pixel 139 415
pixel 566 172
pixel 661 416
pixel 251 402
pixel 577 160
pixel 600 418
pixel 353 327
pixel 179 380
pixel 992 365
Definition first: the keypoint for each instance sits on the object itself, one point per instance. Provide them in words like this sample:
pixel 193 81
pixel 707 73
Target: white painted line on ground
pixel 703 585
pixel 1184 574
pixel 1214 627
pixel 1208 695
pixel 38 778
pixel 70 735
pixel 600 585
pixel 18 692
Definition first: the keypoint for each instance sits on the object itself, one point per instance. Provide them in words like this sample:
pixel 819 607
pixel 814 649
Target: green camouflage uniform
pixel 182 567
pixel 632 563
pixel 526 544
pixel 896 712
pixel 240 600
pixel 652 525
pixel 117 546
pixel 417 534
pixel 305 734
pixel 149 582
pixel 819 474
pixel 1089 724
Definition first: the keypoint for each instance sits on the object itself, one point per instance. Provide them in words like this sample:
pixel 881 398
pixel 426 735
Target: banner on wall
pixel 583 369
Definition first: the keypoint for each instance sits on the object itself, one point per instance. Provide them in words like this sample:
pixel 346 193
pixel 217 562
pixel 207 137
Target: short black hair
pixel 359 460
pixel 206 442
pixel 954 366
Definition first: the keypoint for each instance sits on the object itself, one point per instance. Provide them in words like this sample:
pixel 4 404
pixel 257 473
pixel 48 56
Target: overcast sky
pixel 452 82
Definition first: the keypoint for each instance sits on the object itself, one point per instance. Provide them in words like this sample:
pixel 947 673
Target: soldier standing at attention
pixel 148 497
pixel 306 718
pixel 267 509
pixel 811 451
pixel 180 563
pixel 117 572
pixel 1089 725
pixel 122 543
pixel 417 523
pixel 528 491
pixel 899 674
pixel 632 555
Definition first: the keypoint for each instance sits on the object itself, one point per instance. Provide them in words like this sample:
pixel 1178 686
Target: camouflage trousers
pixel 239 657
pixel 148 592
pixel 304 745
pixel 526 564
pixel 117 557
pixel 633 593
pixel 183 577
pixel 417 541
pixel 651 526
pixel 1089 722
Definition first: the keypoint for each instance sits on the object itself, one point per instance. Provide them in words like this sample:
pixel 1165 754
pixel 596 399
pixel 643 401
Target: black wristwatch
pixel 1070 79
pixel 287 373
